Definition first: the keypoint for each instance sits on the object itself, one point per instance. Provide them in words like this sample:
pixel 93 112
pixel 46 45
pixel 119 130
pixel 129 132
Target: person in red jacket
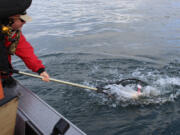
pixel 18 45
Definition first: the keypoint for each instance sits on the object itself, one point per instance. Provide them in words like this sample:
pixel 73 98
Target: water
pixel 92 42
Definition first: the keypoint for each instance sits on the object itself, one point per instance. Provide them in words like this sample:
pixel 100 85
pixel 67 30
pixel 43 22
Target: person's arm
pixel 26 52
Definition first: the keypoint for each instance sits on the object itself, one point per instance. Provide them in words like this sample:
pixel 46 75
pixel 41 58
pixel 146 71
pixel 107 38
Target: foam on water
pixel 169 81
pixel 160 89
pixel 150 91
pixel 121 92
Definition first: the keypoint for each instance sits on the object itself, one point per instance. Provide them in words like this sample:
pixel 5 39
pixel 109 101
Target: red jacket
pixel 26 52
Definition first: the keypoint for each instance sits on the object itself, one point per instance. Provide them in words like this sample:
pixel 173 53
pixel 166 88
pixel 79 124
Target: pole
pixel 59 81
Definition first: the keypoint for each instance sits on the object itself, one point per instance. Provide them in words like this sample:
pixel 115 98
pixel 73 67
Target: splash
pixel 130 92
pixel 150 91
pixel 160 91
pixel 163 82
pixel 125 96
pixel 120 92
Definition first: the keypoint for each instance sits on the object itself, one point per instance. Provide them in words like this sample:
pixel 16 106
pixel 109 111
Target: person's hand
pixel 45 76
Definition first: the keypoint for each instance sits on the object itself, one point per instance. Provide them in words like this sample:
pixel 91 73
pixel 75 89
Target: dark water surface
pixel 95 41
